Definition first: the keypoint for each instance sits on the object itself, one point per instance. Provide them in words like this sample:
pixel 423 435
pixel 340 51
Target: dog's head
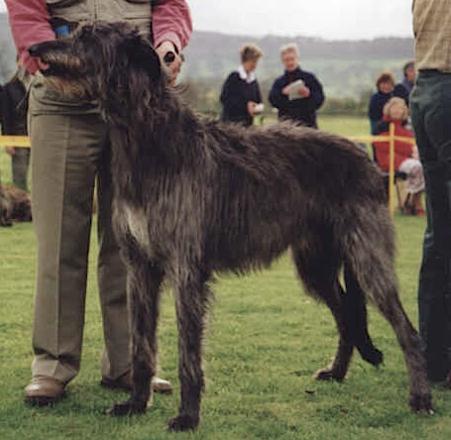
pixel 98 58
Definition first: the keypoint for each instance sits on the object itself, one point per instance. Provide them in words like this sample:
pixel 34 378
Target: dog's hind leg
pixel 320 276
pixel 390 306
pixel 369 249
pixel 144 285
pixel 192 302
pixel 357 317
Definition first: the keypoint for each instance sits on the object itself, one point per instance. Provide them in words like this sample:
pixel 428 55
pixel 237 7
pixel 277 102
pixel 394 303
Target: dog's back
pixel 275 183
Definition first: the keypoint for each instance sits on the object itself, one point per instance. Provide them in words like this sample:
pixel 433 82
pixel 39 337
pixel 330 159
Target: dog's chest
pixel 138 225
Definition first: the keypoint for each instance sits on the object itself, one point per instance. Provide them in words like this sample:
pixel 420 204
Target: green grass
pixel 266 339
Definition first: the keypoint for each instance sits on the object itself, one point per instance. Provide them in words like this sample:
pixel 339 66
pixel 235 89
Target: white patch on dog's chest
pixel 137 224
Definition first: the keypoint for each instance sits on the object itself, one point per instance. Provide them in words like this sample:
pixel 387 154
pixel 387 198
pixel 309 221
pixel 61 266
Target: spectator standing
pixel 241 97
pixel 13 118
pixel 297 94
pixel 404 89
pixel 431 116
pixel 385 85
pixel 70 144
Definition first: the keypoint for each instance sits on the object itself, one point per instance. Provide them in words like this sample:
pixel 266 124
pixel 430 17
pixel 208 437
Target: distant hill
pixel 347 68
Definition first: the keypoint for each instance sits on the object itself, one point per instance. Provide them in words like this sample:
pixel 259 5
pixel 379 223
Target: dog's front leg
pixel 192 305
pixel 144 284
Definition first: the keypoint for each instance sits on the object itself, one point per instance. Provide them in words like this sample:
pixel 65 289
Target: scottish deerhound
pixel 195 196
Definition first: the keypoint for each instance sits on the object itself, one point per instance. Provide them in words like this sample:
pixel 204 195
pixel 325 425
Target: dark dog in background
pixel 15 205
pixel 194 196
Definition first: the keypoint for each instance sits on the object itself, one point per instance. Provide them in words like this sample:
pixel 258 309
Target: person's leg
pixel 20 163
pixel 112 282
pixel 65 148
pixel 431 112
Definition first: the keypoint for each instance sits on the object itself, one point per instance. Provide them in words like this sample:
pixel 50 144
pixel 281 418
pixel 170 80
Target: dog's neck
pixel 150 133
pixel 142 107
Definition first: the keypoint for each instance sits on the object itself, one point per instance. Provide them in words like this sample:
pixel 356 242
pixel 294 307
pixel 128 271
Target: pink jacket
pixel 30 25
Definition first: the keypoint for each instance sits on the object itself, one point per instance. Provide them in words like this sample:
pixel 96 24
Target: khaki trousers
pixel 70 150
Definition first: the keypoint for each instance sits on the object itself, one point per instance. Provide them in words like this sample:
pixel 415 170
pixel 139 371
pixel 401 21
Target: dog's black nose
pixel 34 50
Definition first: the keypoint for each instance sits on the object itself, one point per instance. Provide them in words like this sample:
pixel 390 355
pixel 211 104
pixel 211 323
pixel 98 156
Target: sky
pixel 330 19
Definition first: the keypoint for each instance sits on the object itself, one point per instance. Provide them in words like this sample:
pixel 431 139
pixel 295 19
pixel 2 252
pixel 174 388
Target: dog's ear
pixel 141 54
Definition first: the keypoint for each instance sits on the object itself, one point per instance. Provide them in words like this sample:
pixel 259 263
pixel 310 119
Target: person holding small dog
pixel 241 96
pixel 70 152
pixel 297 94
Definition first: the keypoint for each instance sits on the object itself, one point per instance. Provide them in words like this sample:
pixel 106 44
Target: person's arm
pixel 276 97
pixel 172 28
pixel 316 93
pixel 171 22
pixel 259 94
pixel 30 24
pixel 231 96
pixel 374 111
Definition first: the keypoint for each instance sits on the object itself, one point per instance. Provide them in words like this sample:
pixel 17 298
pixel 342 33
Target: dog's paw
pixel 183 423
pixel 421 403
pixel 372 355
pixel 127 408
pixel 326 374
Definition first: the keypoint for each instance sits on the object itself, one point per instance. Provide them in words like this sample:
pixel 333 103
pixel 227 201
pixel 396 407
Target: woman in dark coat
pixel 385 91
pixel 241 97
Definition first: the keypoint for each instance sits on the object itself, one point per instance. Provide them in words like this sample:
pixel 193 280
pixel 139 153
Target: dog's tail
pixel 369 250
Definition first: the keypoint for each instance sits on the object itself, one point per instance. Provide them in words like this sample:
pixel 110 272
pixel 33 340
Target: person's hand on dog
pixel 42 66
pixel 171 58
pixel 10 150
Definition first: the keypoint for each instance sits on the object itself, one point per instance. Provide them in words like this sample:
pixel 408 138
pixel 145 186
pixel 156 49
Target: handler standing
pixel 431 117
pixel 70 150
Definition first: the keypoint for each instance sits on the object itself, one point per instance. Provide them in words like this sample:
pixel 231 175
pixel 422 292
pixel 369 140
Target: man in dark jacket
pixel 13 118
pixel 297 94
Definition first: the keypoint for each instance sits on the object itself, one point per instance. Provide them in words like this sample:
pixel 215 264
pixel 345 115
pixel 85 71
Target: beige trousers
pixel 70 150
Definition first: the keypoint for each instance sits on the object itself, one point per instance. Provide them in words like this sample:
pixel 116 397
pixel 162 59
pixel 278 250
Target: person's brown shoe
pixel 44 391
pixel 124 383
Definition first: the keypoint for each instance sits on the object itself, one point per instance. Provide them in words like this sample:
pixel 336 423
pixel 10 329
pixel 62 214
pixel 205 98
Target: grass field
pixel 266 339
